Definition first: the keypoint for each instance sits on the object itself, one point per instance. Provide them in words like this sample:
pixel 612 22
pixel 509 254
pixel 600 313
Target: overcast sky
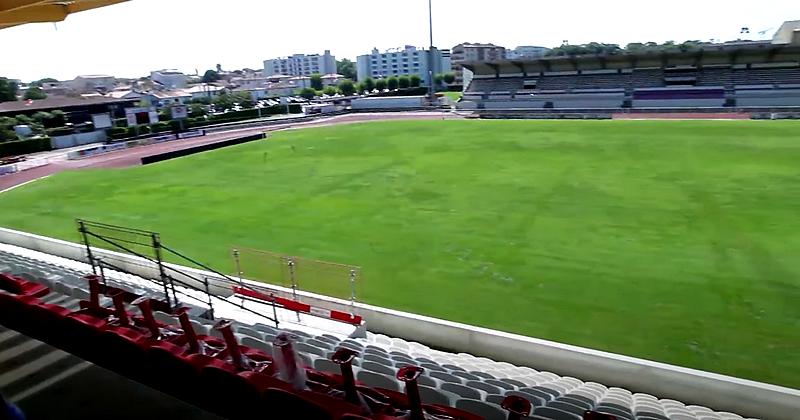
pixel 132 38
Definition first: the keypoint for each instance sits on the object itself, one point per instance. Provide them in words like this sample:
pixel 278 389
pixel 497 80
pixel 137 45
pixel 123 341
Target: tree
pixel 308 93
pixel 392 83
pixel 42 117
pixel 244 99
pixel 380 84
pixel 330 91
pixel 438 79
pixel 346 87
pixel 449 78
pixel 415 80
pixel 204 100
pixel 210 76
pixel 197 109
pixel 346 68
pixel 223 101
pixel 316 81
pixel 369 84
pixel 8 90
pixel 41 82
pixel 23 119
pixel 35 93
pixel 59 118
pixel 7 129
pixel 404 82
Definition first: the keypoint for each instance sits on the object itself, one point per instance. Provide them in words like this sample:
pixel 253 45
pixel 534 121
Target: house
pixel 331 79
pixel 169 79
pixel 93 83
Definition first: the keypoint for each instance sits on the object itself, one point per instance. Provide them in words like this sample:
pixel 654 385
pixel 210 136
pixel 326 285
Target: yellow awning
pixel 18 12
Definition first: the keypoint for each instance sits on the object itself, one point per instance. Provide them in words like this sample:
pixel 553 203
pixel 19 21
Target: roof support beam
pixel 521 67
pixel 18 12
pixel 43 13
pixel 8 5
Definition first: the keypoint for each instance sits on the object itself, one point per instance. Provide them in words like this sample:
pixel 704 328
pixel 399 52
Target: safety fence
pixel 298 273
pixel 151 251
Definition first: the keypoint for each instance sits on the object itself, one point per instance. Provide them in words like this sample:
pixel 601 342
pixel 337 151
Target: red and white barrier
pixel 296 306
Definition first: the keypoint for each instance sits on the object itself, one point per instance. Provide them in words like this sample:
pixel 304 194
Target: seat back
pixel 378 380
pixel 286 405
pixel 463 391
pixel 486 410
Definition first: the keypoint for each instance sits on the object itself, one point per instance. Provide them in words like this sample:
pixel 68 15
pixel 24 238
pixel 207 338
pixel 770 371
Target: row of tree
pixel 38 123
pixel 632 48
pixel 347 87
pixel 9 90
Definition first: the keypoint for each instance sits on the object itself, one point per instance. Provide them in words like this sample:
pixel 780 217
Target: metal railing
pixel 148 246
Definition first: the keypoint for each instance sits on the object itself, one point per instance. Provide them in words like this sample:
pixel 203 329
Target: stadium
pixel 499 260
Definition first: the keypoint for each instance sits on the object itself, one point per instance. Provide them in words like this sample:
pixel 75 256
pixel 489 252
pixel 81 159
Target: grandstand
pixel 234 368
pixel 755 76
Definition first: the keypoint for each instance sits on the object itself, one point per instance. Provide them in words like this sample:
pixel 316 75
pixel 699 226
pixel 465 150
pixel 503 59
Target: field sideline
pixel 675 241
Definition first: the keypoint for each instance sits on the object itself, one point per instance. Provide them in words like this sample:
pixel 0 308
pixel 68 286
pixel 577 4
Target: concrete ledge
pixel 719 392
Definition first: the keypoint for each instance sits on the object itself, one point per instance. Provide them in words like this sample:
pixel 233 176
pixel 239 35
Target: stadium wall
pixel 719 392
pixel 146 160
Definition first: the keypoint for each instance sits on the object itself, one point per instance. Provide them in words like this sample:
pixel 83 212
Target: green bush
pixel 162 126
pixel 120 122
pixel 60 131
pixel 117 133
pixel 21 147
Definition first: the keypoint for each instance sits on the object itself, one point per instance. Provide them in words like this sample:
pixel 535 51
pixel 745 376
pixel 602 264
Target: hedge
pixel 117 132
pixel 60 131
pixel 21 147
pixel 249 114
pixel 161 127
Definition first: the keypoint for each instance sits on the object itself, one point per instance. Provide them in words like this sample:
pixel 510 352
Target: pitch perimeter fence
pixel 342 281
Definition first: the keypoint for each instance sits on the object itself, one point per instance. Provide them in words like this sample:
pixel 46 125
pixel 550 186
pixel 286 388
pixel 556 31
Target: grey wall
pixel 63 142
pixel 679 103
pixel 782 97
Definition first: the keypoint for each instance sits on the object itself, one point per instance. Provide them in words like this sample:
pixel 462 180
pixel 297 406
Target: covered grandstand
pixel 748 76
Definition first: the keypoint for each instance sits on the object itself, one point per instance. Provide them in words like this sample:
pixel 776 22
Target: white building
pixel 788 33
pixel 526 51
pixel 202 90
pixel 93 83
pixel 473 52
pixel 406 61
pixel 170 79
pixel 244 83
pixel 301 82
pixel 331 79
pixel 301 65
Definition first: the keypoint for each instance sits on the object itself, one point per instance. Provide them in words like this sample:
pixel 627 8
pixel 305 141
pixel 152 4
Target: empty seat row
pixel 448 377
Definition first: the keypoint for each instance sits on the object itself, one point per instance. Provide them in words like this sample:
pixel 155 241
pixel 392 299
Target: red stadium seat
pixel 18 286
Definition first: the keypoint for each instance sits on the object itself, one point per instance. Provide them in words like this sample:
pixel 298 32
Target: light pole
pixel 430 49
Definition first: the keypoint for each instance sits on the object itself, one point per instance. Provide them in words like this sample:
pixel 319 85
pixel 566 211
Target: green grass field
pixel 672 241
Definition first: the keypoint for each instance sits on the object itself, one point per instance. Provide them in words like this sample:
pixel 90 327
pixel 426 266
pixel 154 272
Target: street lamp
pixel 430 49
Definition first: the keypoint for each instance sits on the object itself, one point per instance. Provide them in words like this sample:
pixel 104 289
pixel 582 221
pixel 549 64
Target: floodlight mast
pixel 430 50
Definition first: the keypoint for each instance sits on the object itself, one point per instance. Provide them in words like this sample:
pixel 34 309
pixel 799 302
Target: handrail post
pixel 157 249
pixel 82 230
pixel 210 302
